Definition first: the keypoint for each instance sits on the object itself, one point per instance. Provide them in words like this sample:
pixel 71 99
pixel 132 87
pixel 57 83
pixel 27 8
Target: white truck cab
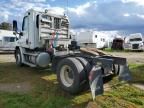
pixel 134 42
pixel 41 32
pixel 7 40
pixel 37 27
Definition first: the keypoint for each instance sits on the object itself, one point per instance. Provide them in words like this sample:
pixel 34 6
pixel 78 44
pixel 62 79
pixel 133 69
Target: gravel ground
pixel 132 57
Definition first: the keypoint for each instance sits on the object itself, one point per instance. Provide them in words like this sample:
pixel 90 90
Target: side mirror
pixel 15 25
pixel 37 21
pixel 21 33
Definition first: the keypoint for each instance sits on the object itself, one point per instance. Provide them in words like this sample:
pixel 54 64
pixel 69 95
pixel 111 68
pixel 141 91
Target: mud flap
pixel 124 74
pixel 96 81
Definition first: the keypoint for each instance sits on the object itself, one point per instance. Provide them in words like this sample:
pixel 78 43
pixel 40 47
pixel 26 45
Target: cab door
pixel 24 35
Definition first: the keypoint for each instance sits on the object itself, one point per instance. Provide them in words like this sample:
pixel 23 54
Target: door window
pixel 25 24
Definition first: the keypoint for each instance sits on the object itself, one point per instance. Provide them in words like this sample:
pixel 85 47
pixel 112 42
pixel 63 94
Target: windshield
pixel 9 39
pixel 136 39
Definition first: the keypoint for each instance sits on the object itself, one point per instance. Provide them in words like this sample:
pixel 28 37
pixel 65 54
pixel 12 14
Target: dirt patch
pixel 140 86
pixel 92 105
pixel 107 87
pixel 15 87
pixel 7 58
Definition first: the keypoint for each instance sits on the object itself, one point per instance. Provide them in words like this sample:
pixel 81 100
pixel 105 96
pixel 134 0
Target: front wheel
pixel 18 57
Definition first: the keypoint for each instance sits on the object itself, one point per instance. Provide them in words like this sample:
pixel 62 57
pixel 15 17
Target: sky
pixel 105 15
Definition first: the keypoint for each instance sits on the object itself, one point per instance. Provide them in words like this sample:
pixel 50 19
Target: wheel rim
pixel 66 75
pixel 18 58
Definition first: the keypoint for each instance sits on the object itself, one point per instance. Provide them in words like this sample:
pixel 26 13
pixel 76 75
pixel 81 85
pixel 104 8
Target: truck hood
pixel 136 42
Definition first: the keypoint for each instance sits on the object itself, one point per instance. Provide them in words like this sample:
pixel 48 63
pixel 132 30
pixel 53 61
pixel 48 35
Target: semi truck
pixel 7 40
pixel 92 39
pixel 45 40
pixel 134 42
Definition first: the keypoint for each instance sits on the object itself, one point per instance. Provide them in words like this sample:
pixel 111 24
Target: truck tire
pixel 18 58
pixel 86 65
pixel 70 75
pixel 87 69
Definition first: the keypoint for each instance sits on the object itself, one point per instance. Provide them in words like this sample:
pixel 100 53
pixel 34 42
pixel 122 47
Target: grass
pixel 44 93
pixel 123 95
pixel 47 93
pixel 15 100
pixel 137 71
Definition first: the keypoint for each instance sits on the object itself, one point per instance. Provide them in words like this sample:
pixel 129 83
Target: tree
pixel 6 26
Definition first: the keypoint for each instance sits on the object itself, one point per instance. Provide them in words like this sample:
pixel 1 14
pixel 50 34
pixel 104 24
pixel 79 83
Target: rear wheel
pixel 18 58
pixel 66 75
pixel 70 75
pixel 87 69
pixel 85 64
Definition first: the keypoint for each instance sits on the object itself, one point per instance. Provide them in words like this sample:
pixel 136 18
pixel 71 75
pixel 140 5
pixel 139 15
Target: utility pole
pixel 67 7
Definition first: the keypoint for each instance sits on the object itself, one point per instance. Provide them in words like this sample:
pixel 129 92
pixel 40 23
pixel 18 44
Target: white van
pixel 134 42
